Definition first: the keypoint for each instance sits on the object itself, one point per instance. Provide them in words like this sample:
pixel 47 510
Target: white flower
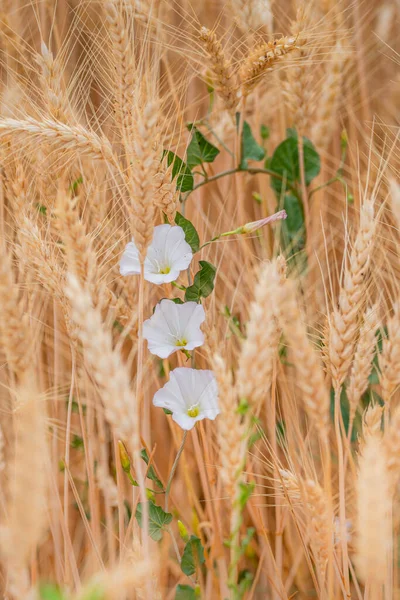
pixel 174 327
pixel 167 255
pixel 191 395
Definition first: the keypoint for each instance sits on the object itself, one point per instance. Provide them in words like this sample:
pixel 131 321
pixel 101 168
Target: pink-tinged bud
pixel 250 227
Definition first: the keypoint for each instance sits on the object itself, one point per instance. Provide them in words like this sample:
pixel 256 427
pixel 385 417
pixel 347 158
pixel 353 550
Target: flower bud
pixel 183 532
pixel 124 457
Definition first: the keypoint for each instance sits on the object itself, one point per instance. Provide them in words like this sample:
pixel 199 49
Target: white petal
pixel 185 421
pixel 172 323
pixel 178 250
pixel 160 278
pixel 188 388
pixel 170 397
pixel 197 386
pixel 130 263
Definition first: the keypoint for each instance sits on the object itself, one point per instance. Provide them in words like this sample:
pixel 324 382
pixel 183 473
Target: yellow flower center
pixel 165 270
pixel 181 342
pixel 193 411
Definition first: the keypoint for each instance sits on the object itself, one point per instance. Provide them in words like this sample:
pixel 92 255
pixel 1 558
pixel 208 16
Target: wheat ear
pixel 74 139
pixel 297 90
pixel 15 334
pixel 325 121
pixel 395 200
pixel 141 177
pixel 166 196
pixel 26 511
pixel 221 68
pixel 362 363
pixel 310 375
pixel 320 522
pixel 56 98
pixel 262 59
pixel 124 68
pixel 105 364
pixel 344 320
pixel 373 523
pixel 253 15
pixel 389 359
pixel 231 430
pixel 259 350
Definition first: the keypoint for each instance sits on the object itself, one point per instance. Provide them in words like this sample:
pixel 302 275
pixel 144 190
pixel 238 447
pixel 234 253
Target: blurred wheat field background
pixel 199 314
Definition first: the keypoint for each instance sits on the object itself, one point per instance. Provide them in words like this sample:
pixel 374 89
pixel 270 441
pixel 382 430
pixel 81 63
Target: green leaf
pixel 167 411
pixel 193 555
pixel 118 326
pixel 203 283
pixel 94 592
pixel 246 489
pixel 185 592
pixel 191 235
pixel 264 132
pixel 157 520
pixel 41 208
pixel 251 150
pixel 77 442
pixel 200 150
pixel 48 591
pixel 345 410
pixel 245 581
pixel 185 179
pixel 75 184
pixel 151 474
pixel 293 227
pixel 285 161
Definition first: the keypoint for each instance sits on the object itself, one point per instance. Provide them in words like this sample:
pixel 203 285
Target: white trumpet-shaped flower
pixel 174 327
pixel 167 255
pixel 191 395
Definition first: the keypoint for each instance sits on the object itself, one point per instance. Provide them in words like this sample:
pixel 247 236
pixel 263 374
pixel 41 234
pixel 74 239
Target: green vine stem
pixel 174 466
pixel 250 171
